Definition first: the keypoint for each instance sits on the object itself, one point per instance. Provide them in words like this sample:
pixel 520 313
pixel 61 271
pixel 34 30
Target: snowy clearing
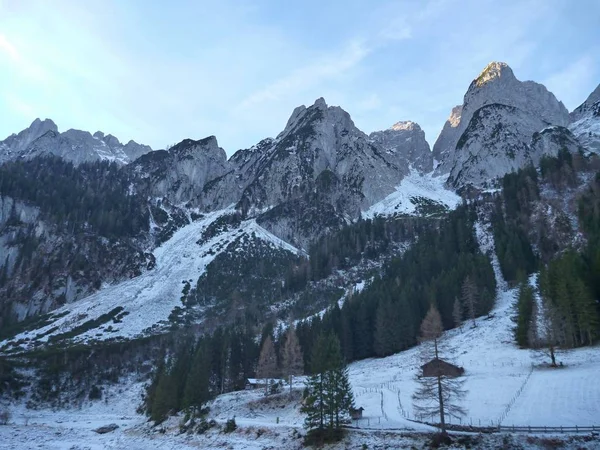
pixel 410 192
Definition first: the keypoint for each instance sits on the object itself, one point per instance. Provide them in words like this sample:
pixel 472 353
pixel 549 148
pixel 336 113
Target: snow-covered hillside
pixel 144 303
pixel 416 194
pixel 502 388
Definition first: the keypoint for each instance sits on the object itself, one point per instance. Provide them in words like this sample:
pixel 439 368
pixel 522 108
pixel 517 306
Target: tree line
pixel 567 312
pixel 444 267
pixel 89 197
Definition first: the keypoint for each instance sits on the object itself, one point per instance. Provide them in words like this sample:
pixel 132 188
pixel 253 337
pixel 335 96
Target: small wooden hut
pixel 440 367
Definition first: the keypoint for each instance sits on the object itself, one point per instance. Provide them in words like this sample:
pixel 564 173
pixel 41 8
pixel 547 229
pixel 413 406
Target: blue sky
pixel 159 72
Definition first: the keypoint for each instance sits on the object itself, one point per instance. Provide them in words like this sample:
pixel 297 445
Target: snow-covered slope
pixel 416 194
pixel 143 304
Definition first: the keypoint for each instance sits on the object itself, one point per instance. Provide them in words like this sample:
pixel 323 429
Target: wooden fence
pixel 528 429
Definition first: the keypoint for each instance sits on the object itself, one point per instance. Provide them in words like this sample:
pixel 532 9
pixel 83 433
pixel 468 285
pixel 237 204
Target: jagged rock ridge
pixel 406 139
pixel 43 138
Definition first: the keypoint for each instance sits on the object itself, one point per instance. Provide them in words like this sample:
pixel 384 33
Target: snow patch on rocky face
pixel 149 299
pixel 409 194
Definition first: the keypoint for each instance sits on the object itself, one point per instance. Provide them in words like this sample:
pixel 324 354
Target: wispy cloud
pixel 144 71
pixel 303 78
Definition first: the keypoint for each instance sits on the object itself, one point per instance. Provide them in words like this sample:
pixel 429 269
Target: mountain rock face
pixel 550 141
pixel 446 141
pixel 491 134
pixel 180 173
pixel 406 139
pixel 43 138
pixel 320 145
pixel 319 172
pixel 585 122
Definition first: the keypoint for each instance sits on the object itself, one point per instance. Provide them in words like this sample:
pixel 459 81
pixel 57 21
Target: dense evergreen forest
pixel 384 318
pixel 569 273
pixel 91 197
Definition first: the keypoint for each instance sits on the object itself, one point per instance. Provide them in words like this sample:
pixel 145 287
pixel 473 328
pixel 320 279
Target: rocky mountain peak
pixel 405 143
pixel 303 116
pixel 455 115
pixel 585 122
pixel 320 103
pixel 111 140
pixel 490 134
pixel 42 126
pixel 77 146
pixel 586 106
pixel 15 144
pixel 405 125
pixel 205 146
pixel 494 71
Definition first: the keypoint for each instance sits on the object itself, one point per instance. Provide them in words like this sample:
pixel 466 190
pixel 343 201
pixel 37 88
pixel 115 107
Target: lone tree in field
pixel 330 397
pixel 470 298
pixel 292 357
pixel 267 362
pixel 440 393
pixel 547 340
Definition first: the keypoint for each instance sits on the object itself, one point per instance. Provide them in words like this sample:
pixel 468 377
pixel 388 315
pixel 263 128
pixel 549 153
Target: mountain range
pixel 318 176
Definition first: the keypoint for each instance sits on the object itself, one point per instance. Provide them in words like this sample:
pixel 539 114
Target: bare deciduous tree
pixel 457 314
pixel 436 394
pixel 292 358
pixel 267 362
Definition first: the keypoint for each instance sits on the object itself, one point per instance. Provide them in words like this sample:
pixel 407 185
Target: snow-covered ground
pixel 505 385
pixel 409 193
pixel 150 298
pixel 496 370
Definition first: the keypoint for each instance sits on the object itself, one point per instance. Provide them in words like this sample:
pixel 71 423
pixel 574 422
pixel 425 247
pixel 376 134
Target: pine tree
pixel 438 394
pixel 292 358
pixel 524 310
pixel 457 313
pixel 267 362
pixel 470 298
pixel 165 395
pixel 533 333
pixel 197 392
pixel 588 320
pixel 329 394
pixel 384 328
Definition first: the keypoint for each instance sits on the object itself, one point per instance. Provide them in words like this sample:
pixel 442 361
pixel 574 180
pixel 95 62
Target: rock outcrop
pixel 491 134
pixel 585 122
pixel 406 142
pixel 43 138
